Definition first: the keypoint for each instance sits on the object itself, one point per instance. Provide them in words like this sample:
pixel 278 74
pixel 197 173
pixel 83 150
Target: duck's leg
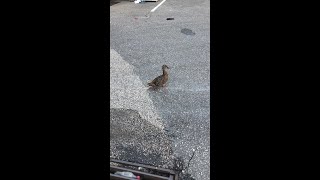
pixel 165 90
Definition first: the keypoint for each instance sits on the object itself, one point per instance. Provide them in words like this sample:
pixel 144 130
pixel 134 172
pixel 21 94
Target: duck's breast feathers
pixel 165 79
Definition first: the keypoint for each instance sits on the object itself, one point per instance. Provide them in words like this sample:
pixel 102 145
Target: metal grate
pixel 149 173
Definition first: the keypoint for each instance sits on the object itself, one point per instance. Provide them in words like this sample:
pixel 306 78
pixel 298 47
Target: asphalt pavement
pixel 159 127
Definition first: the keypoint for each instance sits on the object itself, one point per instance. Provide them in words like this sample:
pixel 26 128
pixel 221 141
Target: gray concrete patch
pixel 135 139
pixel 127 90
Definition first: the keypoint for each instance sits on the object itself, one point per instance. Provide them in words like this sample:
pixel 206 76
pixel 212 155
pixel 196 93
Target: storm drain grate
pixel 146 172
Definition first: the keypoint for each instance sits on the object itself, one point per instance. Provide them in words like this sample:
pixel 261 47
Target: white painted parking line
pixel 158 6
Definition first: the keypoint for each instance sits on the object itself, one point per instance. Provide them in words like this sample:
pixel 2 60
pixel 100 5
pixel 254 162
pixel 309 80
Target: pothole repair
pixel 187 32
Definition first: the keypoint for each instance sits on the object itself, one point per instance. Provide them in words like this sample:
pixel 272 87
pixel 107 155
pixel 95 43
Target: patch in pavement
pixel 187 32
pixel 135 139
pixel 128 92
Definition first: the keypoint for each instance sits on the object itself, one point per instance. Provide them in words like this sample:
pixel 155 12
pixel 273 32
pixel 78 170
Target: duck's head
pixel 165 67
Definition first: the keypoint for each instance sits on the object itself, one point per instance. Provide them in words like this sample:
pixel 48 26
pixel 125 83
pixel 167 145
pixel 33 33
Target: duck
pixel 161 80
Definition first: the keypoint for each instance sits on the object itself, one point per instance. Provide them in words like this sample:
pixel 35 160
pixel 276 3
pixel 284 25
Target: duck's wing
pixel 156 81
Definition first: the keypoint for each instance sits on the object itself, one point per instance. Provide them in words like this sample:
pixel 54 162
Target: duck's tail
pixel 150 84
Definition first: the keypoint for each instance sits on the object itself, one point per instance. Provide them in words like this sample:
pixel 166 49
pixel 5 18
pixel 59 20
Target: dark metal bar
pixel 118 177
pixel 145 175
pixel 176 177
pixel 145 166
pixel 171 177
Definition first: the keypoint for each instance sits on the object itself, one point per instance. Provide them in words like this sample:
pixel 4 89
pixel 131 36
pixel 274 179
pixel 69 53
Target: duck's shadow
pixel 158 89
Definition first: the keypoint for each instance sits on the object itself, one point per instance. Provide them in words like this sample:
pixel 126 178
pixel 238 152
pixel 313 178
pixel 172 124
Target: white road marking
pixel 158 6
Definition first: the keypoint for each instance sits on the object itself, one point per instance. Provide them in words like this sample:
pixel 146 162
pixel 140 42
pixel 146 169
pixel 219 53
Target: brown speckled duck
pixel 160 81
